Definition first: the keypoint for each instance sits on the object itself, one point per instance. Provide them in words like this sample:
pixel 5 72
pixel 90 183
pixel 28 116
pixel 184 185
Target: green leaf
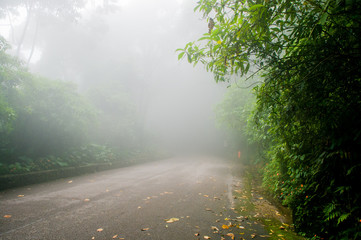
pixel 181 55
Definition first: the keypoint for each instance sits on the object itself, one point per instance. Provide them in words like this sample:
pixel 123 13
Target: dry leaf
pixel 196 234
pixel 115 236
pixel 171 220
pixel 7 216
pixel 93 237
pixel 145 229
pixel 70 181
pixel 139 207
pixel 215 228
pixel 253 235
pixel 100 230
pixel 206 237
pixel 208 209
pixel 86 200
pixel 225 226
pixel 230 235
pixel 205 195
pixel 20 195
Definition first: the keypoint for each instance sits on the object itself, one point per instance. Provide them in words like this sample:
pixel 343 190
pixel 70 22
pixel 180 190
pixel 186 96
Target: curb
pixel 20 180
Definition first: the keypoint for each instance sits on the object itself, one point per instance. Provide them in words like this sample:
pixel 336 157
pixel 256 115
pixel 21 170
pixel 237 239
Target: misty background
pixel 121 55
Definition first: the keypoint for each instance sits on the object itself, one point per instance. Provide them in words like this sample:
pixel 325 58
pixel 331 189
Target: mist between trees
pixel 99 81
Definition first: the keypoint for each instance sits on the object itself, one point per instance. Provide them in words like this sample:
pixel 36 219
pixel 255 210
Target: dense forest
pixel 47 124
pixel 80 84
pixel 302 61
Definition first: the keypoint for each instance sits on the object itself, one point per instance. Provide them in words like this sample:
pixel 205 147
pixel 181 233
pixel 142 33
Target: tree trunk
pixel 24 31
pixel 34 41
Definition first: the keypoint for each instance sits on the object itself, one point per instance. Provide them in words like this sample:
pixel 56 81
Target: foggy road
pixel 169 199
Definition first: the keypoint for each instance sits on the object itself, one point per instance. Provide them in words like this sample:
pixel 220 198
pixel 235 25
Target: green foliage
pixel 116 115
pixel 307 119
pixel 44 124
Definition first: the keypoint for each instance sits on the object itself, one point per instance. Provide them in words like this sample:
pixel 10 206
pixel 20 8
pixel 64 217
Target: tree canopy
pixel 308 103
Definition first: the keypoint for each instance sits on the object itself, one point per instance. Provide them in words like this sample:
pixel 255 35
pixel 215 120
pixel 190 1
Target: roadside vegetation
pixel 47 124
pixel 294 103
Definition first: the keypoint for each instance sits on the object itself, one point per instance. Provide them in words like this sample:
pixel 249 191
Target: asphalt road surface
pixel 178 198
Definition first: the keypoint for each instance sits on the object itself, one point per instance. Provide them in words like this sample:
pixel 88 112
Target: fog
pixel 128 48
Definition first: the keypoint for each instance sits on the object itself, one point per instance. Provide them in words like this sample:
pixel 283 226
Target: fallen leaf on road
pixel 208 209
pixel 139 207
pixel 253 235
pixel 70 181
pixel 225 226
pixel 171 220
pixel 230 235
pixel 145 229
pixel 93 237
pixel 215 229
pixel 206 237
pixel 20 195
pixel 7 216
pixel 100 230
pixel 86 200
pixel 196 234
pixel 205 195
pixel 240 227
pixel 106 190
pixel 115 236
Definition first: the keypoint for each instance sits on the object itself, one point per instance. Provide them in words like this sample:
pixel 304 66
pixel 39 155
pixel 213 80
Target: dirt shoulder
pixel 251 201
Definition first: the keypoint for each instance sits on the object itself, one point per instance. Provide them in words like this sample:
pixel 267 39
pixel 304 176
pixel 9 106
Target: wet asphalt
pixel 177 198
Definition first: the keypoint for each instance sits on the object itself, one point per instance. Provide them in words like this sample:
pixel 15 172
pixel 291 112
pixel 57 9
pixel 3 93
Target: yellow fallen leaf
pixel 230 235
pixel 20 195
pixel 7 216
pixel 100 230
pixel 205 195
pixel 139 207
pixel 225 226
pixel 206 237
pixel 227 219
pixel 145 229
pixel 93 238
pixel 171 220
pixel 115 236
pixel 70 181
pixel 253 235
pixel 86 200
